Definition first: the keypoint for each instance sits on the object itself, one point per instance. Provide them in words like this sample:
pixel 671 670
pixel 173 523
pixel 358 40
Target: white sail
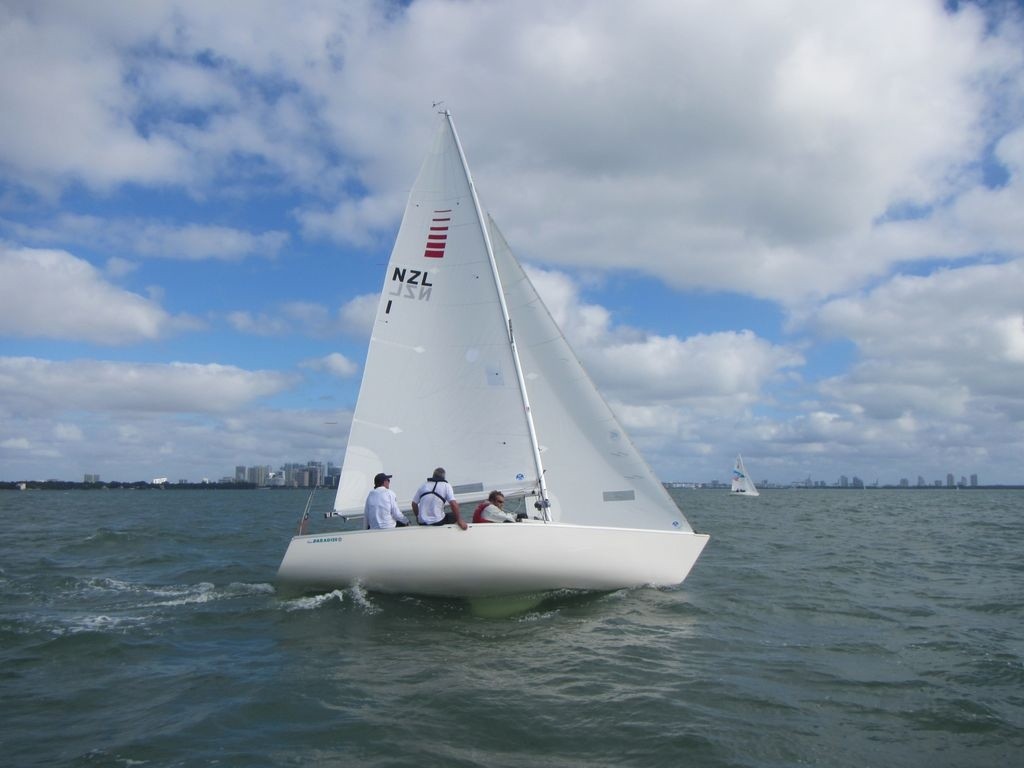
pixel 595 476
pixel 741 482
pixel 467 370
pixel 439 387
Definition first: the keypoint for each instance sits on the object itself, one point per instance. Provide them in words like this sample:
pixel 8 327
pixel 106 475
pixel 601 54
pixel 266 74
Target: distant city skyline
pixel 311 472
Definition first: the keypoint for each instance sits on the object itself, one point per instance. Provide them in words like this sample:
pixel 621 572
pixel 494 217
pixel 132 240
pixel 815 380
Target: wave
pixel 107 605
pixel 355 594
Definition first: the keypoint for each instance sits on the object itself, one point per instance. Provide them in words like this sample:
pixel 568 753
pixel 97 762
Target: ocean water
pixel 819 628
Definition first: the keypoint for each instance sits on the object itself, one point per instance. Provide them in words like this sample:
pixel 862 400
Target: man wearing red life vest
pixel 492 510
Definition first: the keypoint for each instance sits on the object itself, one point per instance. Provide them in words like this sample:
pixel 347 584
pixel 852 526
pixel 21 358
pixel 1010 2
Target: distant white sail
pixel 741 482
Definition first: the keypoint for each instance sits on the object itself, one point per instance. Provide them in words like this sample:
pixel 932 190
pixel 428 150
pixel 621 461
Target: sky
pixel 790 229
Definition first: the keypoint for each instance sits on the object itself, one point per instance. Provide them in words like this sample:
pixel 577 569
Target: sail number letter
pixel 411 283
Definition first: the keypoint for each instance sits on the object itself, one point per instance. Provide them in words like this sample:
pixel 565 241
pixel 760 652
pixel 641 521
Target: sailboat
pixel 741 482
pixel 466 369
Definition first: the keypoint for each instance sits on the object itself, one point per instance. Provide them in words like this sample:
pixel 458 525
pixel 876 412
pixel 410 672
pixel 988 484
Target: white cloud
pixel 140 238
pixel 354 318
pixel 967 321
pixel 143 446
pixel 357 314
pixel 67 432
pixel 178 420
pixel 730 367
pixel 803 151
pixel 67 111
pixel 205 242
pixel 290 317
pixel 751 151
pixel 261 324
pixel 335 363
pixel 358 222
pixel 117 267
pixel 48 387
pixel 939 371
pixel 52 294
pixel 102 97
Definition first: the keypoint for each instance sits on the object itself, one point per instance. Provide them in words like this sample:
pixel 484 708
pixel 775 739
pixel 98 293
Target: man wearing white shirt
pixel 381 508
pixel 428 503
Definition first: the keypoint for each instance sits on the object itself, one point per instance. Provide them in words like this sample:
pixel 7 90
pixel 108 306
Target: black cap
pixel 379 479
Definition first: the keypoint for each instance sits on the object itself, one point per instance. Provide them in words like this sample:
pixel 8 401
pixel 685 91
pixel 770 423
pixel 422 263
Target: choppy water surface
pixel 838 628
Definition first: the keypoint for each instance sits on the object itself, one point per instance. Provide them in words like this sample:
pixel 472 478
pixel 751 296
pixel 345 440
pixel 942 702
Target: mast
pixel 544 503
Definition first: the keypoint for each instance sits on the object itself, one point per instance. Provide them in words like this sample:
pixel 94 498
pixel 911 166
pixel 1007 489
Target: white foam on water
pixel 203 592
pixel 314 601
pixel 356 595
pixel 173 594
pixel 242 588
pixel 360 598
pixel 99 623
pixel 106 584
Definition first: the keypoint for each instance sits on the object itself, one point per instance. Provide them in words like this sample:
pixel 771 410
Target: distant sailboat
pixel 741 482
pixel 451 380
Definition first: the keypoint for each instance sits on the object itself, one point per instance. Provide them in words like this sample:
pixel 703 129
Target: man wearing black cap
pixel 428 502
pixel 381 508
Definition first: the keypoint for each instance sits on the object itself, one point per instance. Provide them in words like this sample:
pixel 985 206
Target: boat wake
pixel 355 595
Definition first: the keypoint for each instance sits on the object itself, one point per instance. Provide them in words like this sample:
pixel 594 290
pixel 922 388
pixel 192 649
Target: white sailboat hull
pixel 490 560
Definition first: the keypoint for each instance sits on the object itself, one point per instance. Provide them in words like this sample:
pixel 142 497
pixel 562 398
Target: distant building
pixel 949 480
pixel 289 475
pixel 974 481
pixel 91 479
pixel 316 473
pixel 920 482
pixel 904 483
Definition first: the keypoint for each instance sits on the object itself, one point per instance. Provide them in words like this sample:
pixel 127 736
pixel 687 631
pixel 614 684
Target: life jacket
pixel 478 513
pixel 433 492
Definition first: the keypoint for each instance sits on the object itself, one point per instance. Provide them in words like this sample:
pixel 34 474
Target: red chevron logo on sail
pixel 438 235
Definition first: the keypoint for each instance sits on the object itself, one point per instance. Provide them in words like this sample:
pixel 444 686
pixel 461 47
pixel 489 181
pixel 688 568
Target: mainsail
pixel 440 385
